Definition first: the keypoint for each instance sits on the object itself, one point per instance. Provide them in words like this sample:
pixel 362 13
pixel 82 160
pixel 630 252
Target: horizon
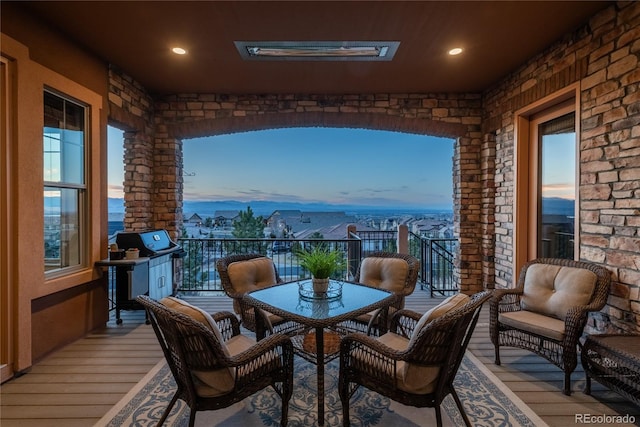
pixel 267 207
pixel 311 165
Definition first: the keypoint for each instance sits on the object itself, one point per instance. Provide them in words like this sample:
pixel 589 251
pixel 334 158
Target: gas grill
pixel 153 243
pixel 151 274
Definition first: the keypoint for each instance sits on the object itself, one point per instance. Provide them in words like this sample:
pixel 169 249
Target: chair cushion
pixel 451 303
pixel 196 313
pixel 221 381
pixel 410 377
pixel 385 273
pixel 539 324
pixel 251 274
pixel 551 289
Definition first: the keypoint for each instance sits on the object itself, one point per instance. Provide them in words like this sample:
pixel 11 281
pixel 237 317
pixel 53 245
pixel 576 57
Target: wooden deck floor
pixel 77 385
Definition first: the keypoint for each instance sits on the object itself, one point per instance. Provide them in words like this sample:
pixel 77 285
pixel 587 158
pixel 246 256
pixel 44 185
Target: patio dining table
pixel 343 301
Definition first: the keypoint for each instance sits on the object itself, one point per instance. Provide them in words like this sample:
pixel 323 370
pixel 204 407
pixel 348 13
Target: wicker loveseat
pixel 547 312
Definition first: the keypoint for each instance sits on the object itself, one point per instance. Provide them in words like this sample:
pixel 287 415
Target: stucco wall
pixel 40 59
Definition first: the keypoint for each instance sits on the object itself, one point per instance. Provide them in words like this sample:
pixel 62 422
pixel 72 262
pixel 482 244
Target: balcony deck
pixel 77 385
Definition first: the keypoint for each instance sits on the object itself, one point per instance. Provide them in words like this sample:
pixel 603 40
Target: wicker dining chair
pixel 213 364
pixel 243 273
pixel 416 362
pixel 394 272
pixel 547 311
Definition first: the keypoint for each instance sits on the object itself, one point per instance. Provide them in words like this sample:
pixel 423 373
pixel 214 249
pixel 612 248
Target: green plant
pixel 320 261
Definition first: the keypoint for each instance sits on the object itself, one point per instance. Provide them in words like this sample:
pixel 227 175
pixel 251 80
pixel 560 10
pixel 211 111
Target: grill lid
pixel 150 243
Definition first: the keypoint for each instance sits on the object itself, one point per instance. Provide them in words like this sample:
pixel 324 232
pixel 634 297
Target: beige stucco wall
pixel 38 59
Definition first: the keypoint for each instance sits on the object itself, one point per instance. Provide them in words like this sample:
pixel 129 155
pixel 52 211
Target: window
pixel 64 148
pixel 546 170
pixel 556 187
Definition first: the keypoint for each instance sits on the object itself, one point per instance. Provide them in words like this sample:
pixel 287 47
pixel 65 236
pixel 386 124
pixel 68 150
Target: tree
pixel 248 226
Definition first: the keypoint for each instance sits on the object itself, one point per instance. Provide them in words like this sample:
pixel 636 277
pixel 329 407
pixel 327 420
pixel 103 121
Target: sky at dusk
pixel 327 165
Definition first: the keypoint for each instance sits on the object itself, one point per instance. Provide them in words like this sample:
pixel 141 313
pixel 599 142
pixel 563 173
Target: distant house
pixel 297 221
pixel 429 227
pixel 225 218
pixel 194 219
pixel 331 232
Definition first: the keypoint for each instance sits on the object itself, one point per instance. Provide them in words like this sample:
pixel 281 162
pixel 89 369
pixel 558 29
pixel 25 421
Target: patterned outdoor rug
pixel 487 402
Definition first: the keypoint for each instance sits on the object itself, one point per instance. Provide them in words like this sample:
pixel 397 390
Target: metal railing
pixel 436 263
pixel 199 265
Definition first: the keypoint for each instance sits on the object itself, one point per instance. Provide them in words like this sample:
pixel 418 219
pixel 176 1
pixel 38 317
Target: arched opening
pixel 321 168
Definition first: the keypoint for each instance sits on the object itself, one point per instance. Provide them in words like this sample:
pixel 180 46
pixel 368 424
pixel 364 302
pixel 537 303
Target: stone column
pixel 138 181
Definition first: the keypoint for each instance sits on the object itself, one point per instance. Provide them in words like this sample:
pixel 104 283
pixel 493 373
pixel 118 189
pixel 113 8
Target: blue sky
pixel 336 166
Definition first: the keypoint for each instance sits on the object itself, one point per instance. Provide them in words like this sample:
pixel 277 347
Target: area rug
pixel 487 402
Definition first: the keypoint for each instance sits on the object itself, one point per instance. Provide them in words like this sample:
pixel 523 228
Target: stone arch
pixel 454 116
pixel 226 125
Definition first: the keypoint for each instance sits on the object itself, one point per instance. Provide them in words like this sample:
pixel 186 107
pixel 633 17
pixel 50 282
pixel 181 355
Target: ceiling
pixel 497 37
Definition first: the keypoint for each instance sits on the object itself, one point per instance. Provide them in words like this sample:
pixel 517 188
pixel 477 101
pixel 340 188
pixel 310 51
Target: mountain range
pixel 264 207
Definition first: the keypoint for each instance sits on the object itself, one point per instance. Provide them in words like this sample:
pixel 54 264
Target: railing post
pixel 354 251
pixel 403 239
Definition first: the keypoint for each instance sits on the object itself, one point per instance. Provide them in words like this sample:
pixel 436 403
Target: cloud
pixel 115 191
pixel 563 190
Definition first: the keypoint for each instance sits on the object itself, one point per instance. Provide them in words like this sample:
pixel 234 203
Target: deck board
pixel 77 385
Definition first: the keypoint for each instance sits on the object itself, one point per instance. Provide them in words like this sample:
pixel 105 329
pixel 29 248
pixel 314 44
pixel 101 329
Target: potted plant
pixel 321 262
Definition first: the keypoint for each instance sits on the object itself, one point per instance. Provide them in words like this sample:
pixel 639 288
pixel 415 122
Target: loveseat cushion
pixel 384 273
pixel 251 274
pixel 552 289
pixel 451 303
pixel 539 324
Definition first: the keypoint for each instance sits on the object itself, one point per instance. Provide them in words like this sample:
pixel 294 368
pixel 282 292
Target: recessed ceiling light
pixel 455 51
pixel 317 50
pixel 179 51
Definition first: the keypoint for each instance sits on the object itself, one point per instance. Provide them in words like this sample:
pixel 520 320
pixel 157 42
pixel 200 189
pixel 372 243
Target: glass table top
pixel 287 297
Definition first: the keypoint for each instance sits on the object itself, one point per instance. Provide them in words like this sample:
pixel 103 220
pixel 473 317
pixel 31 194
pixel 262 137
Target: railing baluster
pixel 199 271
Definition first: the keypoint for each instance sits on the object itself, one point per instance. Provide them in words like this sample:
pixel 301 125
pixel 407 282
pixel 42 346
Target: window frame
pixel 526 157
pixel 81 189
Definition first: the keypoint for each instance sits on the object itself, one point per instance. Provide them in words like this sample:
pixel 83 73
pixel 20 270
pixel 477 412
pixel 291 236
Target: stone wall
pixel 604 58
pixel 450 115
pixel 131 110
